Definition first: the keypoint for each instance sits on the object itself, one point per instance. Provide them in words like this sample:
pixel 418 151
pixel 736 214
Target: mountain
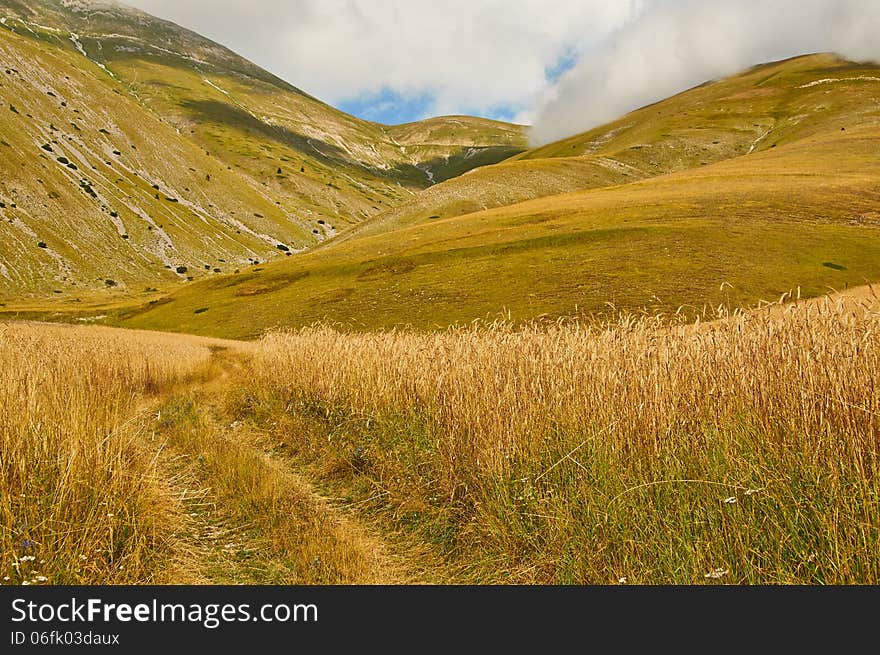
pixel 137 155
pixel 735 192
pixel 765 107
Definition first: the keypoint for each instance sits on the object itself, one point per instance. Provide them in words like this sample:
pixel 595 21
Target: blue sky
pixel 391 107
pixel 388 106
pixel 562 65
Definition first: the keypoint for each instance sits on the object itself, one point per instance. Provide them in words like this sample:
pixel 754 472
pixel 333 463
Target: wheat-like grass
pixel 642 450
pixel 741 450
pixel 80 499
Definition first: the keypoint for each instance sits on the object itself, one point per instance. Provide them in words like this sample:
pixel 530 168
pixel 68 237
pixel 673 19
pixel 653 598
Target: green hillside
pixel 137 155
pixel 735 225
pixel 449 146
pixel 761 109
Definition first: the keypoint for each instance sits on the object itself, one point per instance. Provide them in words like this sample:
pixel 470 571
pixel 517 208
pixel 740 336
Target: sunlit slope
pixel 749 229
pixel 247 166
pixel 767 106
pixel 763 108
pixel 97 193
pixel 449 146
pixel 495 186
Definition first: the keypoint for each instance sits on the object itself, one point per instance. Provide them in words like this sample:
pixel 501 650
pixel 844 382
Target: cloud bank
pixel 673 45
pixel 490 57
pixel 563 65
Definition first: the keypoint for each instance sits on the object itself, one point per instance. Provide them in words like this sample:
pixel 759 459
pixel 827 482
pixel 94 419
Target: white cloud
pixel 676 44
pixel 469 55
pixel 477 56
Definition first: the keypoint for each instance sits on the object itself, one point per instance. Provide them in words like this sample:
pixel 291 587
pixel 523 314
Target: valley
pixel 140 167
pixel 546 236
pixel 248 338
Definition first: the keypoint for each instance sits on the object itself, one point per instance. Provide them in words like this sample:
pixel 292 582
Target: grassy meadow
pixel 80 497
pixel 648 450
pixel 736 232
pixel 743 450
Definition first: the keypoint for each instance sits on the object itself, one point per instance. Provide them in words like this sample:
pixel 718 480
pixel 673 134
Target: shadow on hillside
pixel 221 113
pixel 468 159
pixel 444 168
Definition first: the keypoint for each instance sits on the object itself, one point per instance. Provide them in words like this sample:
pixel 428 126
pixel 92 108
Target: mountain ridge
pixel 637 145
pixel 255 168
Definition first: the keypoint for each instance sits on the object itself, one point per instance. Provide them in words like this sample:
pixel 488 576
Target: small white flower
pixel 25 583
pixel 752 492
pixel 622 580
pixel 41 578
pixel 5 578
pixel 716 574
pixel 730 501
pixel 110 516
pixel 28 558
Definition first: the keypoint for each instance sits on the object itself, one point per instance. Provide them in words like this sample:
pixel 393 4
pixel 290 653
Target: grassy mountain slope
pixel 94 189
pixel 752 228
pixel 449 146
pixel 765 107
pixel 244 161
pixel 799 210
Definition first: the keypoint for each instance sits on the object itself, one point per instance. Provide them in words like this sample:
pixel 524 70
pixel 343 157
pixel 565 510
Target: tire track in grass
pixel 250 517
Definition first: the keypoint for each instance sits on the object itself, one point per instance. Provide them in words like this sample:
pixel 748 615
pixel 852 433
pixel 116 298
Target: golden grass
pixel 80 497
pixel 256 521
pixel 120 465
pixel 744 450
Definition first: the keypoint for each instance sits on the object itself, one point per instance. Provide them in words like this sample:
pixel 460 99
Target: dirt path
pixel 249 516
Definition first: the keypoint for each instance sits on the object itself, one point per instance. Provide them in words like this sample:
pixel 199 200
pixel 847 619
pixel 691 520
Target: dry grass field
pixel 118 466
pixel 743 450
pixel 80 497
pixel 739 450
pixel 428 354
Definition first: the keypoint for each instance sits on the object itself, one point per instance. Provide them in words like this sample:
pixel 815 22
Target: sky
pixel 395 61
pixel 562 66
